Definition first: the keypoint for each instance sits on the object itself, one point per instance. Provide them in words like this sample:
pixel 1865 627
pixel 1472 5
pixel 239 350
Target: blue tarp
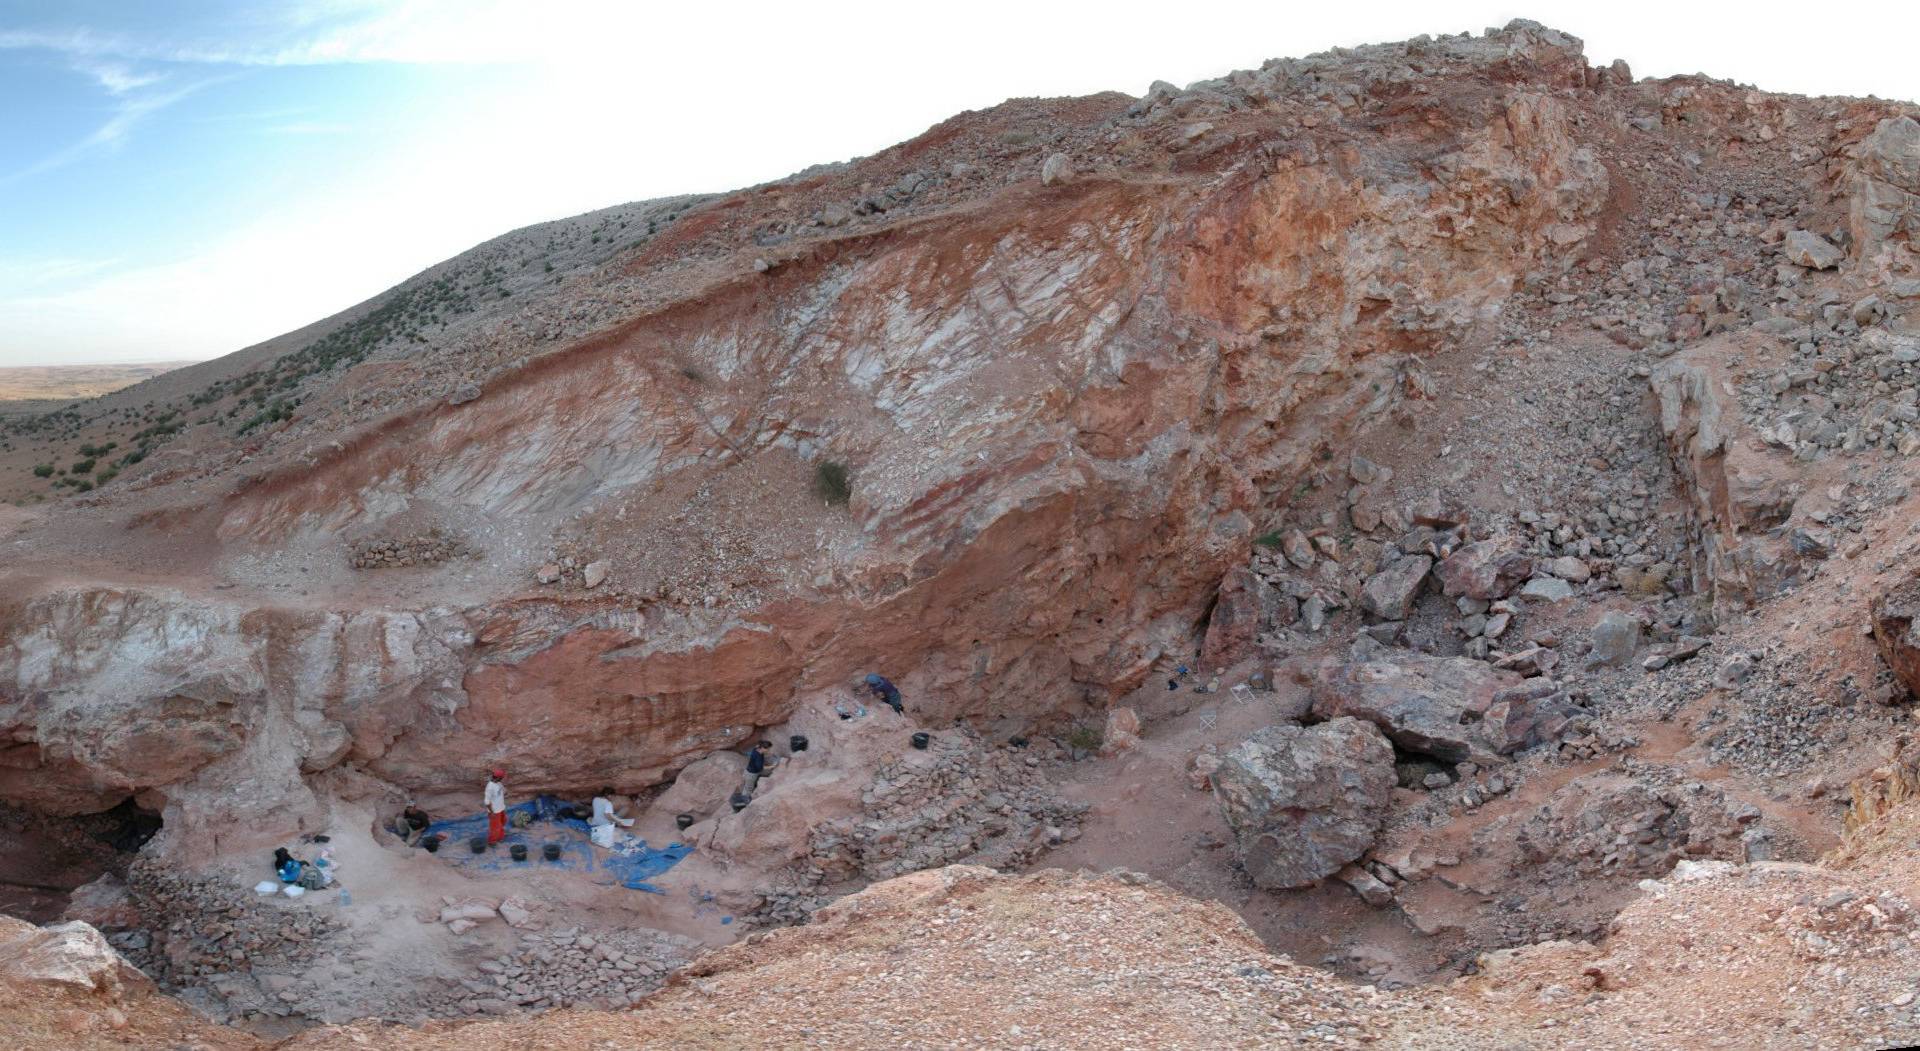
pixel 547 826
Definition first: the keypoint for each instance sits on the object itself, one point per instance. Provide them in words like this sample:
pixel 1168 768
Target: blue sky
pixel 181 179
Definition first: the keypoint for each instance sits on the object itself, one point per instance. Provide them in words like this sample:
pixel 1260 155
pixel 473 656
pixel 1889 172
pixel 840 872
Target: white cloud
pixel 117 78
pixel 128 113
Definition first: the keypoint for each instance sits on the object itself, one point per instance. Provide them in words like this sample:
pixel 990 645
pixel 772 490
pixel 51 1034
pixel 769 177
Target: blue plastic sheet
pixel 546 826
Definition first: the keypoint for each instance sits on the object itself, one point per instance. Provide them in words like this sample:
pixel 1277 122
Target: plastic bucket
pixel 797 743
pixel 684 821
pixel 551 851
pixel 519 851
pixel 922 739
pixel 477 844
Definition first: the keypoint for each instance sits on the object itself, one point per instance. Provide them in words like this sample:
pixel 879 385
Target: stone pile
pixel 206 935
pixel 1610 823
pixel 428 548
pixel 1848 383
pixel 567 968
pixel 962 799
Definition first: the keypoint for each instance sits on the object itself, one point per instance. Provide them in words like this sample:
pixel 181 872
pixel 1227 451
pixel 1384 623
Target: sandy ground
pixel 65 382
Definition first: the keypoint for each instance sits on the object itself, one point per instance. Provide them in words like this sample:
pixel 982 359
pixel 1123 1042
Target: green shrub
pixel 1270 539
pixel 1084 737
pixel 82 466
pixel 831 482
pixel 44 470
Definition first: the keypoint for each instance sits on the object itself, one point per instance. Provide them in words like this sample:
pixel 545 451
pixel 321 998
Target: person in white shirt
pixel 604 812
pixel 496 802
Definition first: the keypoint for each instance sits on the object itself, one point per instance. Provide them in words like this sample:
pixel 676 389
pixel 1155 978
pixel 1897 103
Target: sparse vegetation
pixel 1083 737
pixel 44 470
pixel 1268 539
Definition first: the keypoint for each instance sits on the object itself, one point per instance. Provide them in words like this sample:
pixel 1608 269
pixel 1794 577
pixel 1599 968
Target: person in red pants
pixel 496 799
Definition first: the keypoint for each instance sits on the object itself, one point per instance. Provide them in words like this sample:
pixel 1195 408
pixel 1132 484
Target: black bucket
pixel 551 851
pixel 432 843
pixel 797 743
pixel 922 739
pixel 477 844
pixel 684 821
pixel 740 801
pixel 519 851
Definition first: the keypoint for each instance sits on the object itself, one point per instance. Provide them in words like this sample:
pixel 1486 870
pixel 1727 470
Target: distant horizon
pixel 208 175
pixel 106 361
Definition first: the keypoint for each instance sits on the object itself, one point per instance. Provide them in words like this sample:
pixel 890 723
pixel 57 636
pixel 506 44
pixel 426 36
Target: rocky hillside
pixel 1443 511
pixel 1098 381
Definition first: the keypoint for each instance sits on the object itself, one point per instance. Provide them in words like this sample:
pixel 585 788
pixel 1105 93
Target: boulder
pixel 1808 249
pixel 71 954
pixel 1485 569
pixel 1885 202
pixel 1547 589
pixel 776 828
pixel 1893 615
pixel 596 573
pixel 704 786
pixel 1390 593
pixel 1122 732
pixel 1430 705
pixel 1201 768
pixel 1297 549
pixel 105 902
pixel 1057 168
pixel 1304 801
pixel 1247 605
pixel 1365 884
pixel 1615 639
pixel 1536 712
pixel 1570 569
pixel 470 910
pixel 516 912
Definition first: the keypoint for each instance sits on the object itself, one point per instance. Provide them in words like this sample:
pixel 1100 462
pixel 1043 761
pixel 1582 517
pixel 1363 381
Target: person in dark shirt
pixel 411 824
pixel 887 693
pixel 756 766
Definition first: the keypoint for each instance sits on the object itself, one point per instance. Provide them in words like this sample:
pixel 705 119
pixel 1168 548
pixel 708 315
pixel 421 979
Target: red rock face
pixel 1061 407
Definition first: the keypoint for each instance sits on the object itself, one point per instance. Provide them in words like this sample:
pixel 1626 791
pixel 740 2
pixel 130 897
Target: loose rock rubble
pixel 214 943
pixel 565 968
pixel 1608 823
pixel 421 549
pixel 961 799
